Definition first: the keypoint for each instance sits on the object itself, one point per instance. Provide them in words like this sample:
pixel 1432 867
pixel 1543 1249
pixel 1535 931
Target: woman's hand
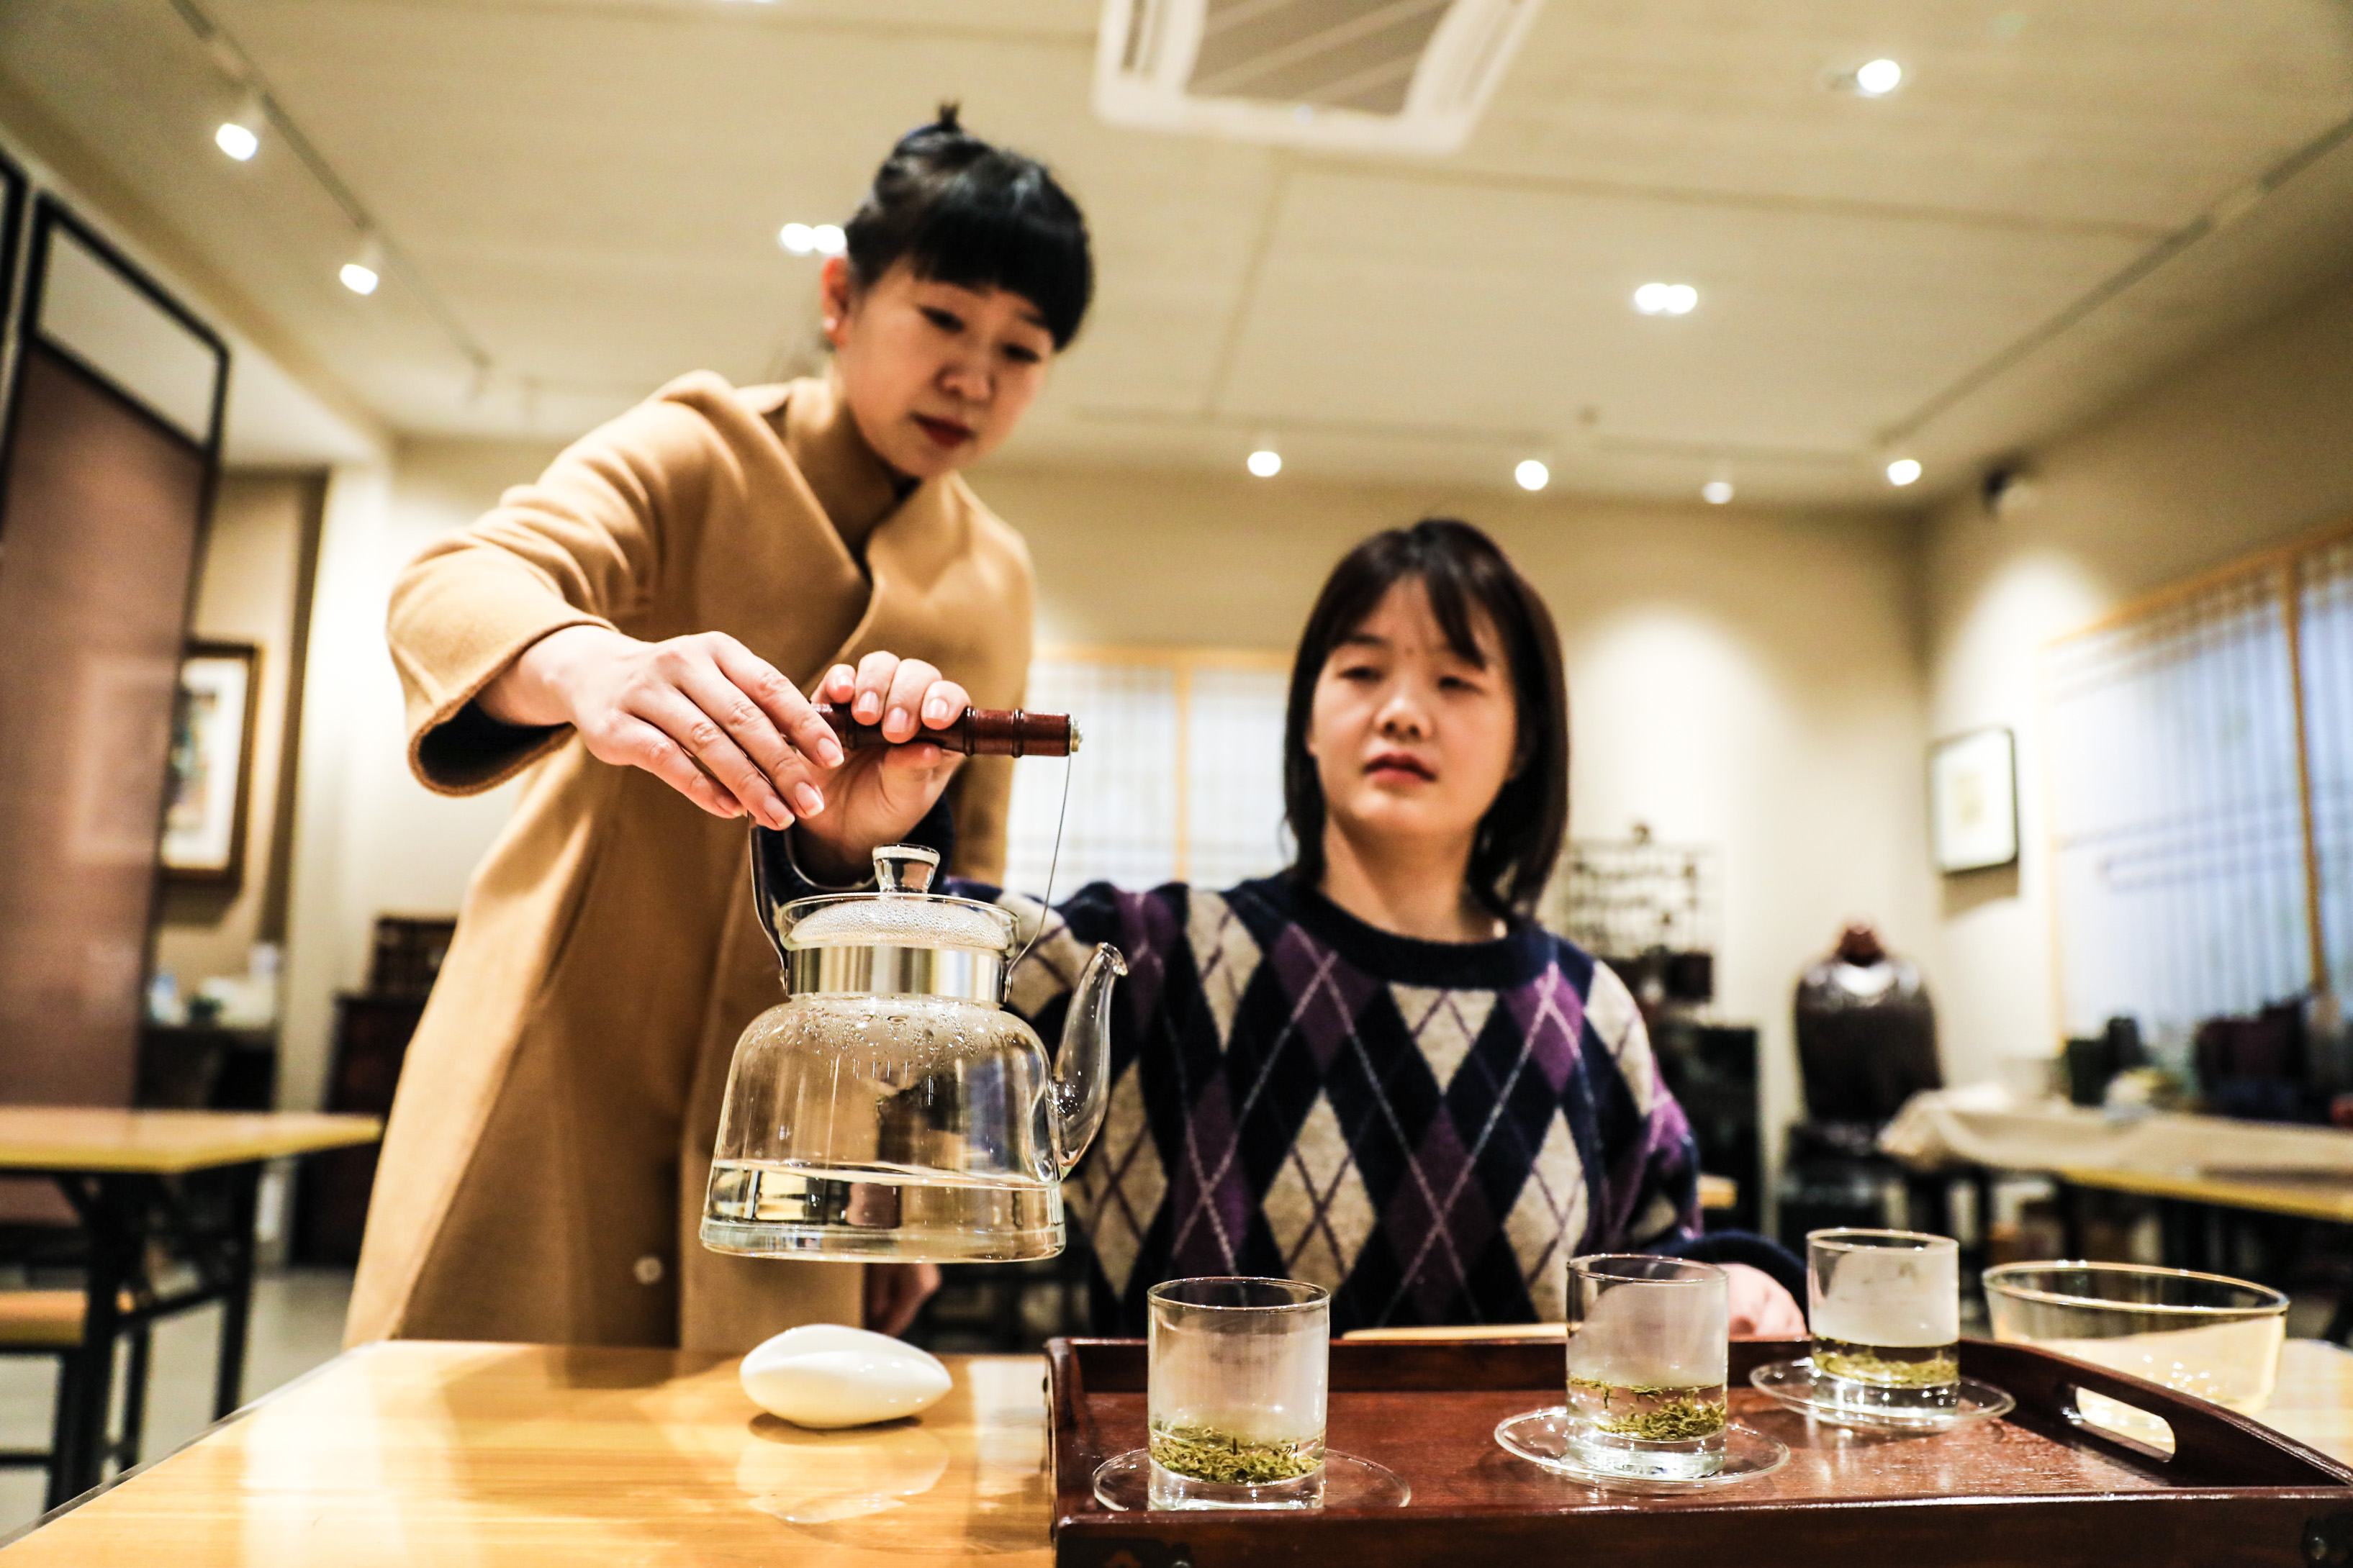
pixel 881 792
pixel 895 1292
pixel 1760 1309
pixel 704 714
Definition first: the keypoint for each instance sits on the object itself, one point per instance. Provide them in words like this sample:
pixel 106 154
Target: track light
pixel 239 136
pixel 362 273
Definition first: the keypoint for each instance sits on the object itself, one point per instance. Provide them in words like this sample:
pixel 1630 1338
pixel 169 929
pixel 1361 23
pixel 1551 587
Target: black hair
pixel 959 210
pixel 1468 579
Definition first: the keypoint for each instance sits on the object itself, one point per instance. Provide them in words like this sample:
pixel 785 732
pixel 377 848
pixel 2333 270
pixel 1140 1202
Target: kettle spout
pixel 1083 1064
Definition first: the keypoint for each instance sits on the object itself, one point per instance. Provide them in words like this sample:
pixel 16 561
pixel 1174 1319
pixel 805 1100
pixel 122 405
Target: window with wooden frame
pixel 1180 778
pixel 2200 779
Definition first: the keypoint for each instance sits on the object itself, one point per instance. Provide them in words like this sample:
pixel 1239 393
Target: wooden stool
pixel 49 1322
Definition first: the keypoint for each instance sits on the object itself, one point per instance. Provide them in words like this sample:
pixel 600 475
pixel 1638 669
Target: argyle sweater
pixel 1429 1130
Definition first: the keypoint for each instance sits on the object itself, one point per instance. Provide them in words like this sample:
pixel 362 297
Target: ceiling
pixel 581 198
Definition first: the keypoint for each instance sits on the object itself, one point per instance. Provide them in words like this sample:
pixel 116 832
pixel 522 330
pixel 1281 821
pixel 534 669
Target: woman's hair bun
pixel 960 210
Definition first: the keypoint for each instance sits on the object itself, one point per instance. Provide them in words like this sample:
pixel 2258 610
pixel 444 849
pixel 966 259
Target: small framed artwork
pixel 212 763
pixel 1973 801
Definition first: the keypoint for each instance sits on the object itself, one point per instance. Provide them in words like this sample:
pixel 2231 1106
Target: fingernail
pixel 807 799
pixel 935 714
pixel 829 752
pixel 898 716
pixel 869 705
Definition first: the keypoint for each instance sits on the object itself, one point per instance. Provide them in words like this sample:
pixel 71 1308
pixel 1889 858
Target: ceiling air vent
pixel 1394 74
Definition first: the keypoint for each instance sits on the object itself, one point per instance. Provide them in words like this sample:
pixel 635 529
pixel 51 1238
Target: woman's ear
pixel 837 293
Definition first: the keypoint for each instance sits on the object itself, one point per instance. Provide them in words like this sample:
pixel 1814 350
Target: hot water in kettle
pixel 892 1109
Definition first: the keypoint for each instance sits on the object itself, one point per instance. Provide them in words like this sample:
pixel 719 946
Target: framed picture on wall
pixel 1973 801
pixel 212 763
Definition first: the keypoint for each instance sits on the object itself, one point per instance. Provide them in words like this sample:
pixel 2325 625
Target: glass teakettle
pixel 892 1109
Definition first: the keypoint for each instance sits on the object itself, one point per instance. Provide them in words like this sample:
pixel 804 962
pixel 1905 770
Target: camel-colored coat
pixel 543 1171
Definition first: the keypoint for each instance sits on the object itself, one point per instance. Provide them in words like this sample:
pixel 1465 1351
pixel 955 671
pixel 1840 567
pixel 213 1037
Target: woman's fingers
pixel 904 702
pixel 706 740
pixel 706 687
pixel 779 707
pixel 943 702
pixel 634 742
pixel 873 686
pixel 840 685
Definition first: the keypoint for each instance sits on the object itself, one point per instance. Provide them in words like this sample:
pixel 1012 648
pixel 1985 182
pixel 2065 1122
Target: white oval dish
pixel 825 1375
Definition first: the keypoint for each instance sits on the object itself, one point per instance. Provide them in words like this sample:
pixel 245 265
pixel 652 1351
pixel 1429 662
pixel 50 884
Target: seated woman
pixel 1374 1071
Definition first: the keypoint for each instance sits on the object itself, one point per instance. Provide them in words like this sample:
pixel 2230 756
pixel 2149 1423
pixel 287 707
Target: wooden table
pixel 491 1456
pixel 2321 1195
pixel 414 1453
pixel 117 1168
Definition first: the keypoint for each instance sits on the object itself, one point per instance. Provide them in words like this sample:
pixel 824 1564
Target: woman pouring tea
pixel 1375 1071
pixel 641 628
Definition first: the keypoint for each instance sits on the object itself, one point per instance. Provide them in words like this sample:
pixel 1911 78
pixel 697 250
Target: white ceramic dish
pixel 825 1375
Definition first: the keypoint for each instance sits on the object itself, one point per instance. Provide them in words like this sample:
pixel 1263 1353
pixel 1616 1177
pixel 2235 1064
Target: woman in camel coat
pixel 638 629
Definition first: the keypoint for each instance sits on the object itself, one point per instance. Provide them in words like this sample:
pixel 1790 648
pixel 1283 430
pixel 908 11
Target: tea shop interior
pixel 1004 679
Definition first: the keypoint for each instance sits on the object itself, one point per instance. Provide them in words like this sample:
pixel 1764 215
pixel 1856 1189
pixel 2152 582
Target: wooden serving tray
pixel 2035 1489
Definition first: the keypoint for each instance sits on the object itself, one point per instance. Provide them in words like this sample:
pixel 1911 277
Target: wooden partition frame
pixel 15 190
pixel 2280 568
pixel 1183 662
pixel 164 458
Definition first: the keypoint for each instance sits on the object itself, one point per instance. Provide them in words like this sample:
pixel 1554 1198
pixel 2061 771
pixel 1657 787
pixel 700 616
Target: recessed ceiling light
pixel 1903 471
pixel 1878 78
pixel 1666 299
pixel 1715 492
pixel 1266 462
pixel 1532 475
pixel 818 239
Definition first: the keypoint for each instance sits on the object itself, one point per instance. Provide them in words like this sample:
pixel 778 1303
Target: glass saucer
pixel 1791 1384
pixel 1123 1482
pixel 1541 1437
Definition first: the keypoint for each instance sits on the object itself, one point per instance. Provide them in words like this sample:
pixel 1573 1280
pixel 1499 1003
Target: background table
pixel 115 1167
pixel 539 1457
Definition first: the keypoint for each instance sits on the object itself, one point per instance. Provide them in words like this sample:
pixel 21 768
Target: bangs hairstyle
pixel 958 210
pixel 1468 580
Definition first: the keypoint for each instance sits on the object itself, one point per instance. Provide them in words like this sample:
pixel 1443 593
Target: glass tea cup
pixel 2205 1334
pixel 1885 1310
pixel 1647 1346
pixel 1237 1374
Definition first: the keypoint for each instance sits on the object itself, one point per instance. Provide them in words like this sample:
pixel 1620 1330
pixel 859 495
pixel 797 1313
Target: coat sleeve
pixel 581 546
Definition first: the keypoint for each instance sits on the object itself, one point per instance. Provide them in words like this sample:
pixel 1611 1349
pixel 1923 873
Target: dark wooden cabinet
pixel 191 1067
pixel 1712 1070
pixel 372 1035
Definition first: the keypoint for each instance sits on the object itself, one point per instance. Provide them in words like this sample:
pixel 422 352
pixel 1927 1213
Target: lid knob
pixel 905 868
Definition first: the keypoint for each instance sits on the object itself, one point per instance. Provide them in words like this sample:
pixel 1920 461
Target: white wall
pixel 2246 446
pixel 369 839
pixel 246 593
